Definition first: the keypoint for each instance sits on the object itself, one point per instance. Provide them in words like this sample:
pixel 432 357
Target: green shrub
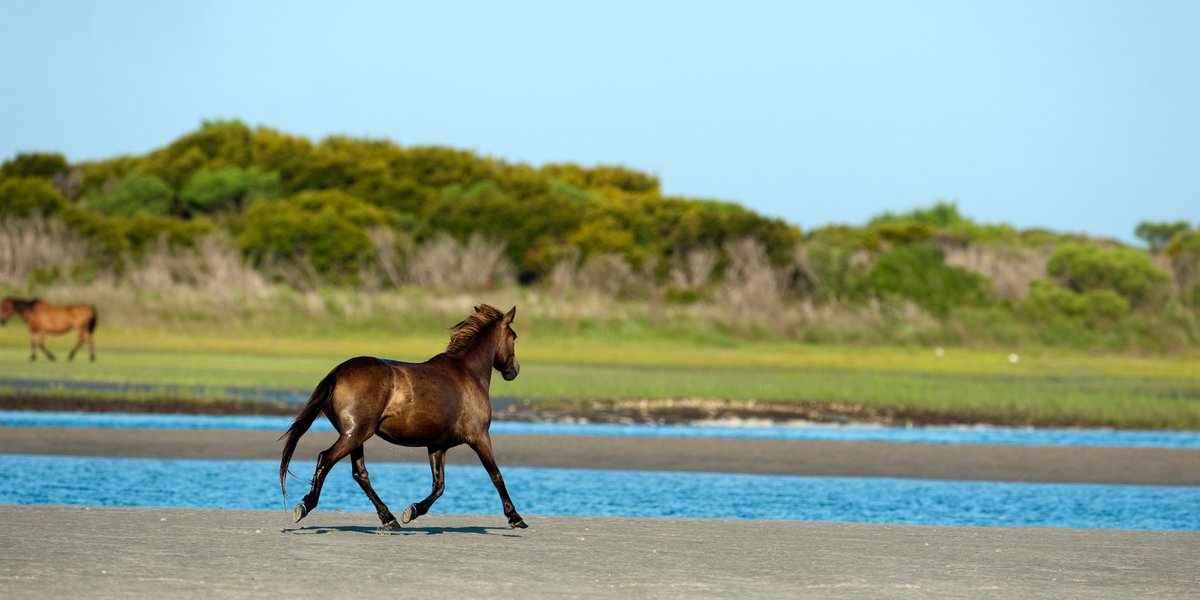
pixel 107 234
pixel 1159 235
pixel 919 274
pixel 34 164
pixel 939 216
pixel 1184 252
pixel 328 227
pixel 217 144
pixel 230 189
pixel 25 197
pixel 827 261
pixel 1048 303
pixel 1126 271
pixel 141 230
pixel 138 194
pixel 532 228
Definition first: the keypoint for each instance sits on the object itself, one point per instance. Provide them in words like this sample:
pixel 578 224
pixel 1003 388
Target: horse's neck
pixel 479 358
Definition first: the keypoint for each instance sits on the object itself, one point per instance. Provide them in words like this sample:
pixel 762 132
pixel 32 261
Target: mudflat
pixel 74 552
pixel 1079 464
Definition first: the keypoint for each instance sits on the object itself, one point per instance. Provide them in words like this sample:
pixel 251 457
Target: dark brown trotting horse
pixel 43 317
pixel 439 404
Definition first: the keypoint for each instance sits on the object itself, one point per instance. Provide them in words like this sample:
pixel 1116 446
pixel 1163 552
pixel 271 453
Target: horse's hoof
pixel 391 524
pixel 518 524
pixel 298 513
pixel 409 514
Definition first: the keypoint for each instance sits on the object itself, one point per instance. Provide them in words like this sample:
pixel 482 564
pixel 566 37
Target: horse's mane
pixel 22 305
pixel 463 334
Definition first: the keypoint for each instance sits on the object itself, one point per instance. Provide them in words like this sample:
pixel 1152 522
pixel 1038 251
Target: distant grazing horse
pixel 439 404
pixel 43 317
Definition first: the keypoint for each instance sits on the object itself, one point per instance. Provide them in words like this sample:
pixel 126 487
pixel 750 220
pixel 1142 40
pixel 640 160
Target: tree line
pixel 345 207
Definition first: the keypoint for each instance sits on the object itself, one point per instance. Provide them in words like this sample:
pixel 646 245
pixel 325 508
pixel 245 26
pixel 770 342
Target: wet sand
pixel 1140 466
pixel 71 552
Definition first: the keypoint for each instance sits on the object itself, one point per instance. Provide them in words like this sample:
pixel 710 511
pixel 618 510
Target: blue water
pixel 857 433
pixel 252 484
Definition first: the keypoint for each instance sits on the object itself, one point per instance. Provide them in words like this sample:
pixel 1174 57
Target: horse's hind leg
pixel 85 337
pixel 437 465
pixel 348 441
pixel 359 464
pixel 483 447
pixel 78 344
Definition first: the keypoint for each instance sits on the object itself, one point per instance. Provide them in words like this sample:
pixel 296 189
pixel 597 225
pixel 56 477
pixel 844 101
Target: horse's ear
pixel 510 315
pixel 476 309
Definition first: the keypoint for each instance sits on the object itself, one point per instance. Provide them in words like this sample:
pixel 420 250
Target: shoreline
pixel 1045 464
pixel 621 412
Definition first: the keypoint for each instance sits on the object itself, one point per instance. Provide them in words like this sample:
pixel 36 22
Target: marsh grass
pixel 1044 388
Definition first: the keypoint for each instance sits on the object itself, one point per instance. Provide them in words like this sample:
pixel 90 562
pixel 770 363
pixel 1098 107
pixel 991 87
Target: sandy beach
pixel 55 551
pixel 73 552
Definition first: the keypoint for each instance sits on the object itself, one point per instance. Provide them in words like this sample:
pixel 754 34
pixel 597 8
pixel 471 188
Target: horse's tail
pixel 92 322
pixel 302 422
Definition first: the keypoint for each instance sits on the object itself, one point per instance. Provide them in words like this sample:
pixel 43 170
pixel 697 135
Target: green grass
pixel 1046 387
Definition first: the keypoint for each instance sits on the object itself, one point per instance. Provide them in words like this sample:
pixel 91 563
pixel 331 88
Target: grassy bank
pixel 1044 387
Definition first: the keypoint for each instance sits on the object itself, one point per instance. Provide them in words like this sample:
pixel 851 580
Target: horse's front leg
pixel 437 466
pixel 483 447
pixel 41 343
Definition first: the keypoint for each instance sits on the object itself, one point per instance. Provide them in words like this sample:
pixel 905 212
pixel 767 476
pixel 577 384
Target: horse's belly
pixel 415 433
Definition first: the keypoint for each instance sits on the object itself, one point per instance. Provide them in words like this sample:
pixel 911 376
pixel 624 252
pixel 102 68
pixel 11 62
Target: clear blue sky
pixel 1076 116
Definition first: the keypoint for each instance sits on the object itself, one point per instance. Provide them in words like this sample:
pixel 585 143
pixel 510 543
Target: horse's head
pixel 506 353
pixel 7 309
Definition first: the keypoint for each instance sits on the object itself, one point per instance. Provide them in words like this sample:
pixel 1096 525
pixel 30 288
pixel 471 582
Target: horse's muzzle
pixel 511 373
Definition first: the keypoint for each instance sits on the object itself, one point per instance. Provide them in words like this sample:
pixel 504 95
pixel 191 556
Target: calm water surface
pixel 253 484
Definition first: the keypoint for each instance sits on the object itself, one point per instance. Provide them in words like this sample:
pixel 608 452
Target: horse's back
pixel 55 318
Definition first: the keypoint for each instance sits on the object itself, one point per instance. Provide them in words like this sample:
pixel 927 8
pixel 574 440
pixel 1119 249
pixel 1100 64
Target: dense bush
pixel 1126 271
pixel 138 194
pixel 44 165
pixel 229 189
pixel 535 228
pixel 24 197
pixel 1184 253
pixel 1159 235
pixel 372 213
pixel 328 229
pixel 919 274
pixel 1048 303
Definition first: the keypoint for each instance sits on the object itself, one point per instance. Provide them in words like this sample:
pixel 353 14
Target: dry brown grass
pixel 444 264
pixel 35 244
pixel 1011 268
pixel 752 285
pixel 694 269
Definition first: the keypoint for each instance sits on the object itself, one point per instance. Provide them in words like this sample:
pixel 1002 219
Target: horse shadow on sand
pixel 362 529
